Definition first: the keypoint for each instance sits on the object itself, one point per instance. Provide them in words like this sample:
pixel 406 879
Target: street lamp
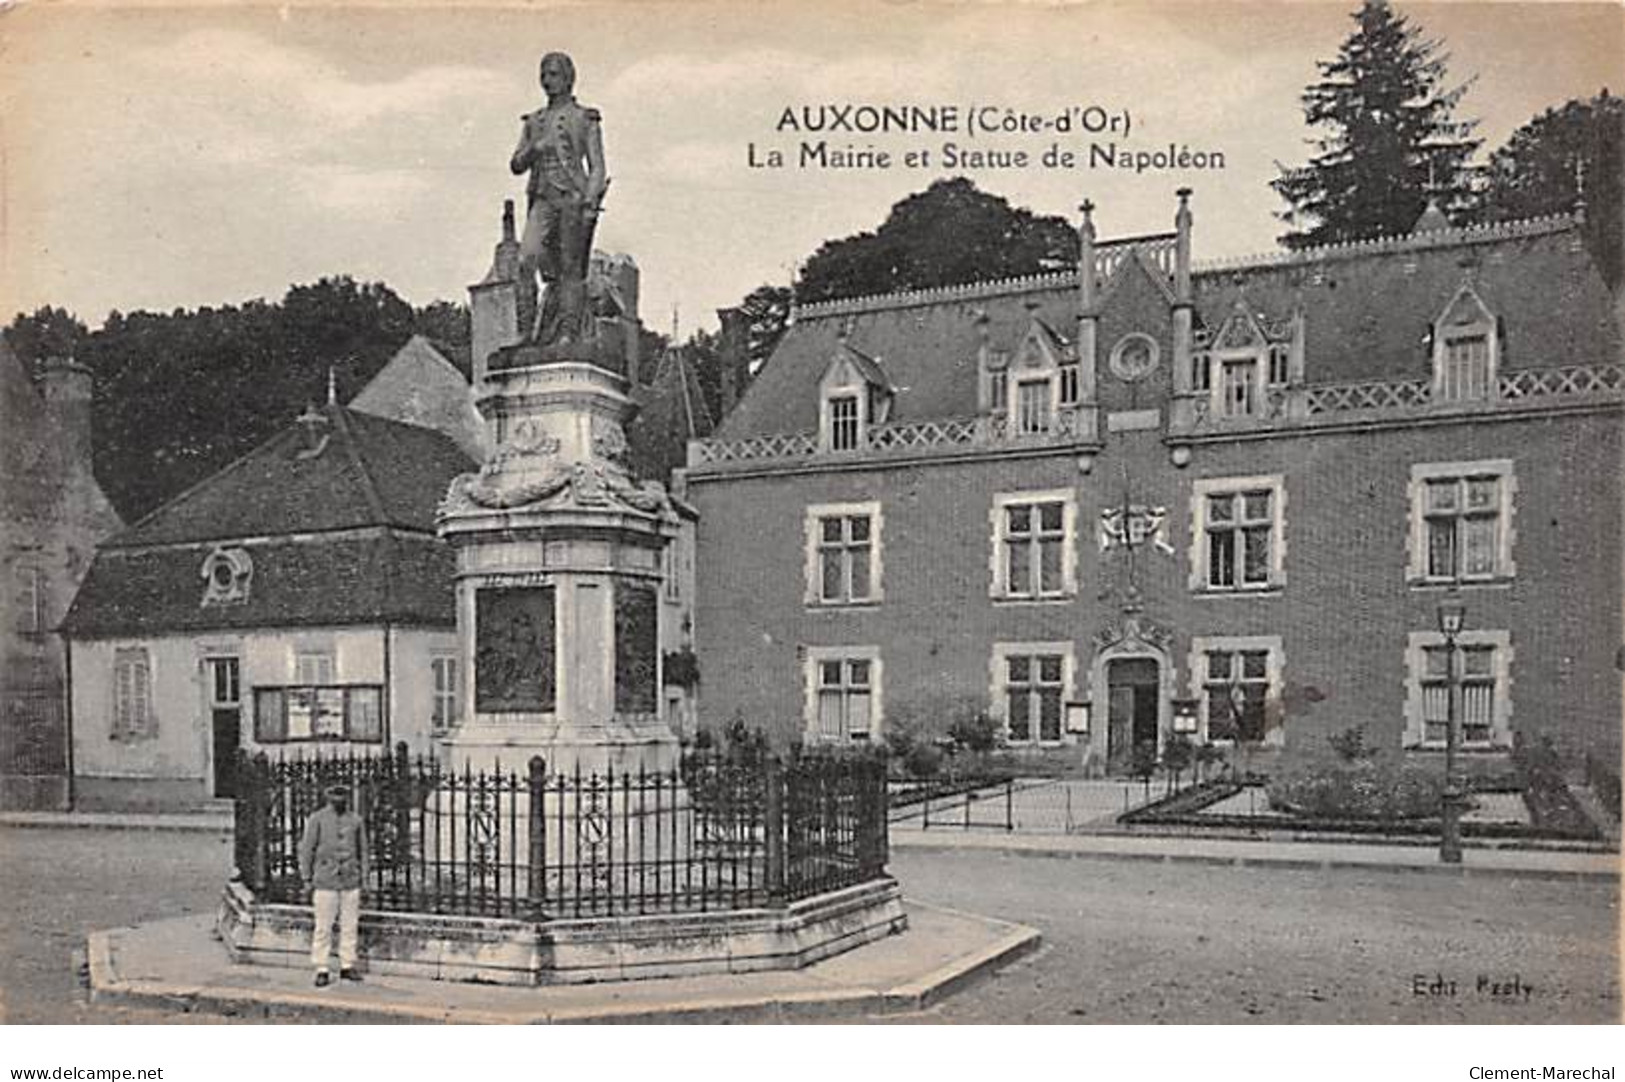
pixel 1452 614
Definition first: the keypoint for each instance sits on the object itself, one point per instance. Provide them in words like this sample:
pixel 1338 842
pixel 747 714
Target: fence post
pixel 1009 802
pixel 536 784
pixel 773 825
pixel 405 797
pixel 258 813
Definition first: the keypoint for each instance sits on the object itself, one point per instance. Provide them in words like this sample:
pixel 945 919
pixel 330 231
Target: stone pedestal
pixel 559 574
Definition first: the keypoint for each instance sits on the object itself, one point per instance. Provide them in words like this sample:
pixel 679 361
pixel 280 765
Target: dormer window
pixel 1465 373
pixel 1033 407
pixel 1466 349
pixel 1238 377
pixel 844 422
pixel 854 395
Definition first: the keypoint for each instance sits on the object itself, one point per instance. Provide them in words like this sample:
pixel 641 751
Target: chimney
pixel 734 357
pixel 1182 294
pixel 68 387
pixel 497 303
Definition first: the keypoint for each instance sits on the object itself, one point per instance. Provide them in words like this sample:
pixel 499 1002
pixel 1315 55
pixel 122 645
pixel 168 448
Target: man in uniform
pixel 333 865
pixel 562 147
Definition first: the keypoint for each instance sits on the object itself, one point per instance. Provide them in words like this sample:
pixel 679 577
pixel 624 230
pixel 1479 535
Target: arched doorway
pixel 1133 708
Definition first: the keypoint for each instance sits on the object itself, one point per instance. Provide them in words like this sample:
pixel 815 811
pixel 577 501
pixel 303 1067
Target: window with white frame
pixel 1483 665
pixel 1031 683
pixel 1033 542
pixel 844 422
pixel 1033 407
pixel 843 554
pixel 1238 684
pixel 133 717
pixel 1464 373
pixel 1238 541
pixel 843 694
pixel 1238 378
pixel 1461 528
pixel 1466 349
pixel 447 704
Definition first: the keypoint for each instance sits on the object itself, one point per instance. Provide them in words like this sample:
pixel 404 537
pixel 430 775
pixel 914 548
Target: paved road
pixel 1124 941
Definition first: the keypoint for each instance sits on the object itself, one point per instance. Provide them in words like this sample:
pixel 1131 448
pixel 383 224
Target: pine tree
pixel 1391 140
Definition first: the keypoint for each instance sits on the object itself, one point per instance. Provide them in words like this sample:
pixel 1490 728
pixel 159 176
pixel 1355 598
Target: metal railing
pixel 732 829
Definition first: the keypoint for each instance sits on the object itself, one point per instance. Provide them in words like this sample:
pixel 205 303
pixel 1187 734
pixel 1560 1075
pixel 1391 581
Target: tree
pixel 766 311
pixel 1540 169
pixel 1391 139
pixel 48 332
pixel 949 234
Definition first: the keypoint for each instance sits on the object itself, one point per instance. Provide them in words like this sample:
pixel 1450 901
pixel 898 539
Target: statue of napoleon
pixel 563 148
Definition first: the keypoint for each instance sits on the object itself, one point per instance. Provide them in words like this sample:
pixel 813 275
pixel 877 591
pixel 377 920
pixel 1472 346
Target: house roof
pixel 420 386
pixel 368 472
pixel 326 582
pixel 336 515
pixel 1367 309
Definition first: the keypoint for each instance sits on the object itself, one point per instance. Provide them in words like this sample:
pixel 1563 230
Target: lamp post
pixel 1452 613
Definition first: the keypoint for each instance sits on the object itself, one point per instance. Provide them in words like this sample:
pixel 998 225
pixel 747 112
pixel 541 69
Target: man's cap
pixel 338 789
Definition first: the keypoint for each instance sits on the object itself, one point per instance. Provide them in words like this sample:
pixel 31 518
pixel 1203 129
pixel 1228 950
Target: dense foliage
pixel 1544 164
pixel 1389 137
pixel 181 394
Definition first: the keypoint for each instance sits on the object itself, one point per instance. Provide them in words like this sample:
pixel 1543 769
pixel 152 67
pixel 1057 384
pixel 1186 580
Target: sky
pixel 164 157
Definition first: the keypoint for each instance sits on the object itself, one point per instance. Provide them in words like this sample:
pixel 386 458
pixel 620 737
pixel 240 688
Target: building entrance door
pixel 1133 690
pixel 226 714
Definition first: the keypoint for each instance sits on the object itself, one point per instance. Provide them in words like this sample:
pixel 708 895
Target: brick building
pixel 1221 497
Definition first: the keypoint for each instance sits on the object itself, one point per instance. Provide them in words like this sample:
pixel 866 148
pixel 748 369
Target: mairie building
pixel 1164 495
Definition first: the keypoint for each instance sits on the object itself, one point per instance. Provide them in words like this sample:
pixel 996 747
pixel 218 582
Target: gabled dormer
pixel 1247 356
pixel 853 394
pixel 1028 385
pixel 1466 348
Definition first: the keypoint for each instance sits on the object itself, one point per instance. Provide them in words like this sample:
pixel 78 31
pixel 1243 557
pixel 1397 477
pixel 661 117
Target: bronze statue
pixel 563 148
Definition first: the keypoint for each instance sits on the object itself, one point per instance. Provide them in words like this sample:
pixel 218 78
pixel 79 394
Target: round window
pixel 1134 357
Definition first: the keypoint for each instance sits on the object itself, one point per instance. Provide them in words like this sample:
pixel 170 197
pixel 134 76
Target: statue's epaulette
pixel 592 114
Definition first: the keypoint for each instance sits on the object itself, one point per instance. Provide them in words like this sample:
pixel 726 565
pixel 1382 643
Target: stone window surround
pixel 812 596
pixel 1274 674
pixel 998 586
pixel 996 687
pixel 1416 544
pixel 1500 726
pixel 810 687
pixel 1201 489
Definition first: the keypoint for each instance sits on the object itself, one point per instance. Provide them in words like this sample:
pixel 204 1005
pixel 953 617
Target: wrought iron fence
pixel 727 829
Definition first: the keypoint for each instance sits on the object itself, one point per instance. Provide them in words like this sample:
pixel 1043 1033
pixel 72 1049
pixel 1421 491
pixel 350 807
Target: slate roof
pixel 374 472
pixel 342 537
pixel 1367 309
pixel 317 583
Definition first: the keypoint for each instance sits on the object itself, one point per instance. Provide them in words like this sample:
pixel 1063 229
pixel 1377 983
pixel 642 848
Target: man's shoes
pixel 323 979
pixel 348 974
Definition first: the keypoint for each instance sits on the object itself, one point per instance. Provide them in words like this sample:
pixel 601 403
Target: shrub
pixel 923 761
pixel 1359 789
pixel 973 730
